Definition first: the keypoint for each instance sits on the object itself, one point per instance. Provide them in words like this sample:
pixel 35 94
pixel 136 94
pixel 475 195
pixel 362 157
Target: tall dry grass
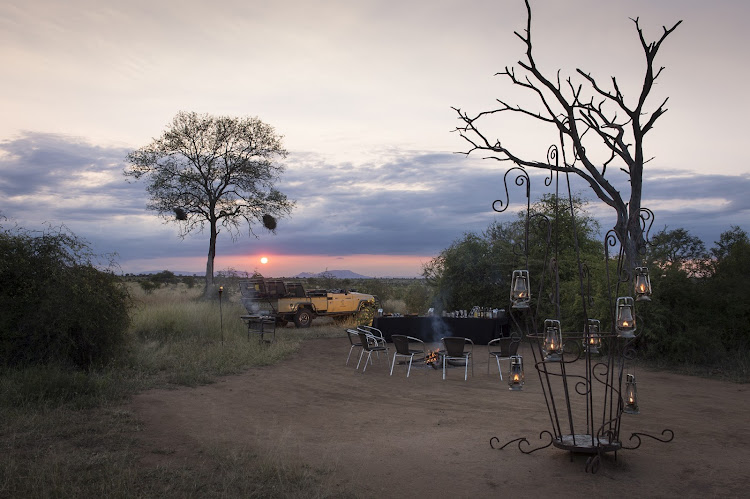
pixel 65 433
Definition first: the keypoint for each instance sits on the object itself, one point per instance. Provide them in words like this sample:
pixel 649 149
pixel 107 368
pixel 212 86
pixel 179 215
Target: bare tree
pixel 214 170
pixel 582 113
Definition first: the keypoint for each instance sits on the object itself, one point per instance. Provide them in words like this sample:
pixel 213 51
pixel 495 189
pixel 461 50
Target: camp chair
pixel 456 353
pixel 370 344
pixel 403 345
pixel 354 340
pixel 371 330
pixel 502 349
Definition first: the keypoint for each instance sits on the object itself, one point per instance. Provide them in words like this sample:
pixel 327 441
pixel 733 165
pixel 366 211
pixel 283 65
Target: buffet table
pixel 431 329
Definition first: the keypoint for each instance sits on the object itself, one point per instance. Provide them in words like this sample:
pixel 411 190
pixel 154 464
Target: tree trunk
pixel 630 233
pixel 210 261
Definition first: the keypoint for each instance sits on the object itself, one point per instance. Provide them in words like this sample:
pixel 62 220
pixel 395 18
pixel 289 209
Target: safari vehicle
pixel 289 301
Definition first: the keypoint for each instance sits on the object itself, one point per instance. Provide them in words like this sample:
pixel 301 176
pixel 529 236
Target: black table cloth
pixel 431 329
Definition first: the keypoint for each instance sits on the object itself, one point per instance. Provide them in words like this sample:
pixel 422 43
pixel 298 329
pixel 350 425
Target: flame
pixel 431 357
pixel 516 378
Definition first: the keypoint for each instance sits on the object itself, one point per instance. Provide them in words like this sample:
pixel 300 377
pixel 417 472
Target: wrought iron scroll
pixel 638 436
pixel 551 159
pixel 524 440
pixel 521 179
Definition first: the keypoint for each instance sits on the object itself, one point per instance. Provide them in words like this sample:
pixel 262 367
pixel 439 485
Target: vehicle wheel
pixel 365 313
pixel 303 318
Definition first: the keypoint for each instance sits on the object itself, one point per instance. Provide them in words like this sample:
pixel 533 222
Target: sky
pixel 362 92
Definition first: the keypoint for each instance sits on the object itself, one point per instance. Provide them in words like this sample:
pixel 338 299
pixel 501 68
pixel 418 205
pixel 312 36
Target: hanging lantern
pixel 631 396
pixel 520 296
pixel 515 378
pixel 552 346
pixel 592 338
pixel 642 284
pixel 625 324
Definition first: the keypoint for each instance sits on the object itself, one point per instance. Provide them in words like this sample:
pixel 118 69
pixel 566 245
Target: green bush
pixel 58 307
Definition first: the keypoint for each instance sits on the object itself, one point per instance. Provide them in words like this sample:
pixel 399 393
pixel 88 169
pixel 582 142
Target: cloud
pixel 398 202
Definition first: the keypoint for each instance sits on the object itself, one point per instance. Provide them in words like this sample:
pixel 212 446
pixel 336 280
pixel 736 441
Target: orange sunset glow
pixel 289 265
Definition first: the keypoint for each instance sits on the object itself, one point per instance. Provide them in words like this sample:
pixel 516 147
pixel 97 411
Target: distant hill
pixel 338 274
pixel 175 272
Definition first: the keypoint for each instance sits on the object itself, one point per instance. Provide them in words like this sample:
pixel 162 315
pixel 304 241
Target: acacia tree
pixel 584 113
pixel 218 171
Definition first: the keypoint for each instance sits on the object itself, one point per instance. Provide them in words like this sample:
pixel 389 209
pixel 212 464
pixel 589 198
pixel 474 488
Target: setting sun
pixel 264 260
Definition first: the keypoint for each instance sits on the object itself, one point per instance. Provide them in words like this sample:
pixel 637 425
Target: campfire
pixel 431 359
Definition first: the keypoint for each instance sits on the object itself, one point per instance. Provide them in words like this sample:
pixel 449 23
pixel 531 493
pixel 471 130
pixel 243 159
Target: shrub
pixel 57 306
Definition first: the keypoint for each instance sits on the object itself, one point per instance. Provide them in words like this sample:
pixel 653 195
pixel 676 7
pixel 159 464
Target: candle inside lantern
pixel 631 396
pixel 642 284
pixel 625 323
pixel 552 340
pixel 594 340
pixel 515 380
pixel 519 294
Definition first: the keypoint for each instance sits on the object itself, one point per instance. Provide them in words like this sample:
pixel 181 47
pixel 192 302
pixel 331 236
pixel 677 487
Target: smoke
pixel 438 329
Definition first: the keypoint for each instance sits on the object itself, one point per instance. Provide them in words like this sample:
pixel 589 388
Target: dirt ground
pixel 388 436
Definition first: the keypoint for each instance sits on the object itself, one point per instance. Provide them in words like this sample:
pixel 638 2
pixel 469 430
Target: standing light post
pixel 221 315
pixel 582 373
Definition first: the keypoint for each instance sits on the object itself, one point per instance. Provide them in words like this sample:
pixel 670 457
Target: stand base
pixel 586 444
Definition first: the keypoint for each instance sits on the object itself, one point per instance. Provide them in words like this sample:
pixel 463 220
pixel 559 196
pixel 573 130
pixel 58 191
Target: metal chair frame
pixel 452 352
pixel 508 348
pixel 354 340
pixel 370 344
pixel 402 348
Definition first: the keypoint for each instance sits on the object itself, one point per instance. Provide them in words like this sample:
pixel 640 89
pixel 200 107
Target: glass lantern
pixel 520 296
pixel 515 378
pixel 631 396
pixel 592 338
pixel 625 324
pixel 642 284
pixel 552 345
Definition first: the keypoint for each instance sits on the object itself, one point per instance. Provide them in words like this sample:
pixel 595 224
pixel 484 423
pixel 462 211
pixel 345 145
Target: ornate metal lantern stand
pixel 581 373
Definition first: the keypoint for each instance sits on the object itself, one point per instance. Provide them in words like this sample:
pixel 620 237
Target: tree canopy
pixel 589 117
pixel 476 269
pixel 218 171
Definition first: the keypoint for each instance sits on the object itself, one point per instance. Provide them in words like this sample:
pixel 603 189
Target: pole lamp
pixel 221 315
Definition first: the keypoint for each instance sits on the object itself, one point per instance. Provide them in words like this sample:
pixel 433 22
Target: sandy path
pixel 423 435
